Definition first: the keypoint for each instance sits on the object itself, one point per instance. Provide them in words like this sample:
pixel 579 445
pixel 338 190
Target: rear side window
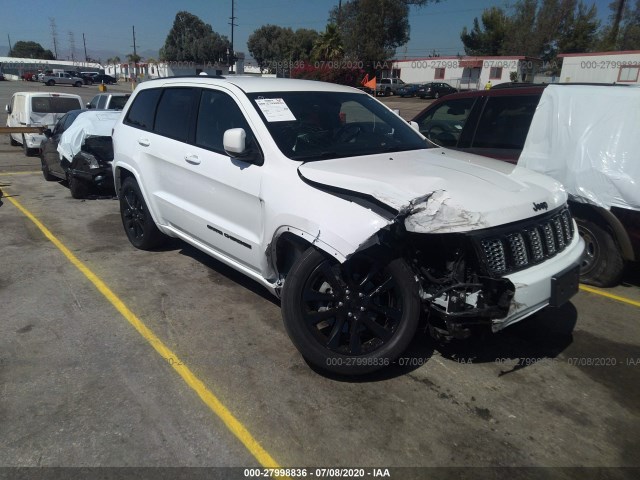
pixel 54 104
pixel 143 110
pixel 175 113
pixel 505 122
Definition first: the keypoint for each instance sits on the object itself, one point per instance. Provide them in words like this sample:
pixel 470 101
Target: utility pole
pixel 135 56
pixel 10 48
pixel 616 23
pixel 232 55
pixel 72 45
pixel 86 58
pixel 54 34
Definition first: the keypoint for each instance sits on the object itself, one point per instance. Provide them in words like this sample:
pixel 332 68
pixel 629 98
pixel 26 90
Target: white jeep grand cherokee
pixel 335 204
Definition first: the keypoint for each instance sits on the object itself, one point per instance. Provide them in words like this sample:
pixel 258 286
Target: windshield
pixel 322 125
pixel 54 104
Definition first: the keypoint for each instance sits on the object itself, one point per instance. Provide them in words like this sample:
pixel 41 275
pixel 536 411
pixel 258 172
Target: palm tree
pixel 114 61
pixel 329 45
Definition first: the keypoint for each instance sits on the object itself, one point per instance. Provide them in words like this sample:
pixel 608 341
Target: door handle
pixel 144 142
pixel 192 159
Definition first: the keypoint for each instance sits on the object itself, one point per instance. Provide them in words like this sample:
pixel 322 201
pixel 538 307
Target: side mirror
pixel 8 109
pixel 88 104
pixel 234 143
pixel 48 133
pixel 415 126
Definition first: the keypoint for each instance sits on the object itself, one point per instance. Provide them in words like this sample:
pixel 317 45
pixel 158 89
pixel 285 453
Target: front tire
pixel 78 187
pixel 136 218
pixel 352 318
pixel 602 263
pixel 77 84
pixel 28 152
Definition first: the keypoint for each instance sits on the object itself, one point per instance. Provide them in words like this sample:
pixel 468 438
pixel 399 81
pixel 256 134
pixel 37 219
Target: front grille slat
pixel 527 244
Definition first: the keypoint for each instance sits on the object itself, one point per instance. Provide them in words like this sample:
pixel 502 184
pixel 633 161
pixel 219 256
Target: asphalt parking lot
pixel 116 357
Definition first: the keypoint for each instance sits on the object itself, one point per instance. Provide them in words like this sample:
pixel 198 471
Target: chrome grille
pixel 527 243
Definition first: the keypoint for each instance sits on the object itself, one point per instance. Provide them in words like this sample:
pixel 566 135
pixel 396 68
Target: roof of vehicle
pixel 250 84
pixel 47 94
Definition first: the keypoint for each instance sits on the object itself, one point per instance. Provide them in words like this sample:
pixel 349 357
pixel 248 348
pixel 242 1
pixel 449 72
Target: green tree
pixel 371 30
pixel 275 47
pixel 22 49
pixel 489 38
pixel 579 32
pixel 192 40
pixel 133 58
pixel 329 45
pixel 623 30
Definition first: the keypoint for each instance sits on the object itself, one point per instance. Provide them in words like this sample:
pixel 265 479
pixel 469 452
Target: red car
pixel 495 123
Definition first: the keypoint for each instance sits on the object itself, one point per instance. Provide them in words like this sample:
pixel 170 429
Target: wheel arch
pixel 608 221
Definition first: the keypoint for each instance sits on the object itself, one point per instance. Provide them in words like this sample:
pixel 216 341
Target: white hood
pixel 440 190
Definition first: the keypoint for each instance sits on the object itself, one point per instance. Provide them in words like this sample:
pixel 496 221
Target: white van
pixel 35 109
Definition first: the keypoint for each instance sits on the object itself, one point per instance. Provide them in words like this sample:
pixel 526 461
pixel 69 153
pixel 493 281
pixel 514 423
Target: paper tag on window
pixel 275 109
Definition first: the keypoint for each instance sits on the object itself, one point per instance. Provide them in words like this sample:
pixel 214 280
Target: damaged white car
pixel 335 204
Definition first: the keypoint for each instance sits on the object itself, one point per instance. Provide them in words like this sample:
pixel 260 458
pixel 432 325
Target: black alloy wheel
pixel 136 218
pixel 350 318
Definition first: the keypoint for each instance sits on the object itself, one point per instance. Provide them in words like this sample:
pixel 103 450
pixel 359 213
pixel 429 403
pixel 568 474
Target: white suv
pixel 335 204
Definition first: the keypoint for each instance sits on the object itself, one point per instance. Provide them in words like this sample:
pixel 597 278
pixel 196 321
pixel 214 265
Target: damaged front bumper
pixel 514 272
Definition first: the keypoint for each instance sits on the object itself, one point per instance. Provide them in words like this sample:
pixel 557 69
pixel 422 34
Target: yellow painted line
pixel 232 423
pixel 597 291
pixel 30 172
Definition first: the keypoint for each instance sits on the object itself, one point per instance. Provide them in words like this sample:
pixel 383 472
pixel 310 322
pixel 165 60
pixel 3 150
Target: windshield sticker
pixel 275 109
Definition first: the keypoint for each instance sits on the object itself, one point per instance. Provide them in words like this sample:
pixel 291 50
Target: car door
pixel 49 147
pixel 503 126
pixel 200 190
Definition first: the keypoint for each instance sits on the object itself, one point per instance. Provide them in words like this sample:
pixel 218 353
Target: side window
pixel 143 110
pixel 505 122
pixel 217 113
pixel 102 101
pixel 60 125
pixel 174 115
pixel 94 102
pixel 443 124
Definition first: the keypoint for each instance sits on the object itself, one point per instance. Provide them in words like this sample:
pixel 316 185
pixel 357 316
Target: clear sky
pixel 107 24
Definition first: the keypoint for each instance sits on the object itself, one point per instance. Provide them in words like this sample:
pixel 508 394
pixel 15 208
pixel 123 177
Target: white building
pixel 466 73
pixel 601 67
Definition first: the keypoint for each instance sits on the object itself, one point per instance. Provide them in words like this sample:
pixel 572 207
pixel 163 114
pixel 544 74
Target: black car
pixel 106 79
pixel 435 90
pixel 89 167
pixel 409 90
pixel 86 79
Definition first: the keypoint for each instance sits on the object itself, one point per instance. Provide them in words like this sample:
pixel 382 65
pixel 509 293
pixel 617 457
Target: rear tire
pixel 46 173
pixel 136 218
pixel 602 263
pixel 51 83
pixel 352 318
